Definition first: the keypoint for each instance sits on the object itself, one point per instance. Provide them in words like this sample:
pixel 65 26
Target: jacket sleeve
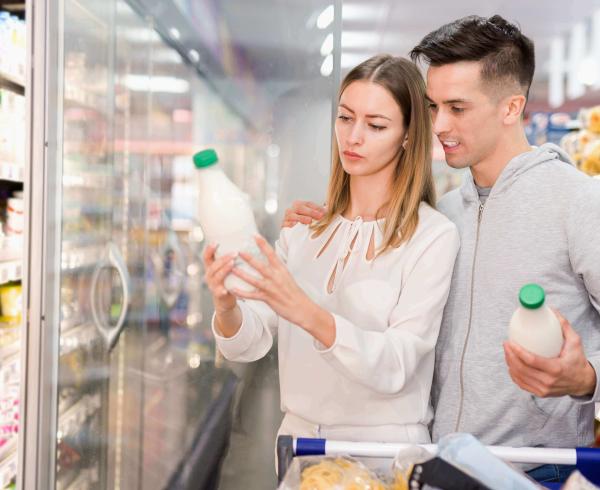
pixel 385 361
pixel 583 234
pixel 254 339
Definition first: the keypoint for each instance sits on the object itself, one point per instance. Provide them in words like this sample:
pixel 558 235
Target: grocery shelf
pixel 84 481
pixel 74 417
pixel 10 270
pixel 8 462
pixel 11 171
pixel 9 350
pixel 77 336
pixel 12 82
pixel 78 258
pixel 11 248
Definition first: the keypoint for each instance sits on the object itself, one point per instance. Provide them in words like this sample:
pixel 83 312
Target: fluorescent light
pixel 327 66
pixel 144 83
pixel 353 12
pixel 576 52
pixel 194 56
pixel 360 39
pixel 141 35
pixel 174 33
pixel 556 90
pixel 350 60
pixel 166 56
pixel 327 46
pixel 326 17
pixel 271 205
pixel 588 71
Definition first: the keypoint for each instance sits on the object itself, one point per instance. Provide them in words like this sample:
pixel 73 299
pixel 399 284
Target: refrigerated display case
pixel 123 387
pixel 112 401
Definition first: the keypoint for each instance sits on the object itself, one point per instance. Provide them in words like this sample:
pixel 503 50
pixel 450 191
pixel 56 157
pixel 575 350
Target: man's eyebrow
pixel 449 101
pixel 368 115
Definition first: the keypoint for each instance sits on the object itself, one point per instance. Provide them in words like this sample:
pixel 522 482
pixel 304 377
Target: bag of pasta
pixel 329 473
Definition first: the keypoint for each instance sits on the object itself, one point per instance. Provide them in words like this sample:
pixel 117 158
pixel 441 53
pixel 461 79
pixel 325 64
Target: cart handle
pixel 587 459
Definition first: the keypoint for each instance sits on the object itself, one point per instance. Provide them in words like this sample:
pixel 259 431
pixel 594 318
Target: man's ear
pixel 514 106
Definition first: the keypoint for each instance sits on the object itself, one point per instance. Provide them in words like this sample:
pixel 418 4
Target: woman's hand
pixel 216 272
pixel 302 212
pixel 228 316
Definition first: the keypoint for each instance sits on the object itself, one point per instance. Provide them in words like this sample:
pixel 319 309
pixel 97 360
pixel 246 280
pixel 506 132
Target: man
pixel 525 215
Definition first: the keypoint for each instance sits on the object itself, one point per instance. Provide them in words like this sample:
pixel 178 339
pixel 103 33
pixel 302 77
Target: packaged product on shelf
pixel 12 45
pixel 584 145
pixel 15 221
pixel 12 127
pixel 11 303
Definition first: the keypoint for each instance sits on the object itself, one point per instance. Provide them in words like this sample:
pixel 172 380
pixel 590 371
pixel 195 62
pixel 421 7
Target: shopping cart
pixel 587 459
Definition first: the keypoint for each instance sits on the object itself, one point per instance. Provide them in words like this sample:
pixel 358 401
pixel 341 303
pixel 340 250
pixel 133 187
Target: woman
pixel 356 298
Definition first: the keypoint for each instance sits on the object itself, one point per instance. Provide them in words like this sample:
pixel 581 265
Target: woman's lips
pixel 352 156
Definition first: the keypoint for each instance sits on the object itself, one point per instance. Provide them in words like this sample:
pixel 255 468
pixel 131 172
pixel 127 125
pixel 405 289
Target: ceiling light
pixel 194 56
pixel 327 66
pixel 327 46
pixel 360 12
pixel 360 39
pixel 326 17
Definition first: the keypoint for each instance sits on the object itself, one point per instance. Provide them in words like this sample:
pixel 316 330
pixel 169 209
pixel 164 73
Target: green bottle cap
pixel 532 296
pixel 205 158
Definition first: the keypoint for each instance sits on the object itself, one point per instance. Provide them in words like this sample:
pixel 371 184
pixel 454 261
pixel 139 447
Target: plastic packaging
pixel 467 453
pixel 225 215
pixel 534 326
pixel 328 473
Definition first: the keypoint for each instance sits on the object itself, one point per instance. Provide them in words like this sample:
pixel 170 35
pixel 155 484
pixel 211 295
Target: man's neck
pixel 486 172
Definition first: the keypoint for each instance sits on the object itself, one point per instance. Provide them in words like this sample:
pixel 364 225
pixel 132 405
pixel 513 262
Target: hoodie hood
pixel 516 167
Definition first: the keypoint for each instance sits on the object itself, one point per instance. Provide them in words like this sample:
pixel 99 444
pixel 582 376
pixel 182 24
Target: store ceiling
pixel 401 24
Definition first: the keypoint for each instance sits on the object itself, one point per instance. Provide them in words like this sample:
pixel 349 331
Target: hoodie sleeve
pixel 583 234
pixel 254 339
pixel 386 361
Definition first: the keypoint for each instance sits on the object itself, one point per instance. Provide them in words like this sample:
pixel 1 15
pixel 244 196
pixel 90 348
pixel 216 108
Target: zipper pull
pixel 480 211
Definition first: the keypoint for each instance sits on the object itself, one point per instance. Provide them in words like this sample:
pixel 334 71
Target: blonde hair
pixel 413 178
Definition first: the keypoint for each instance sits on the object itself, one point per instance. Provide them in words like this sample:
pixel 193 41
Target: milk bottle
pixel 225 215
pixel 534 326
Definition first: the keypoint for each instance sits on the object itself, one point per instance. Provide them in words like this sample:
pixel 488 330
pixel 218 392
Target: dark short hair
pixel 501 47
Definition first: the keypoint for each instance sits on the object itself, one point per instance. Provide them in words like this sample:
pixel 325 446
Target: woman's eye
pixel 458 110
pixel 377 128
pixel 344 118
pixel 432 107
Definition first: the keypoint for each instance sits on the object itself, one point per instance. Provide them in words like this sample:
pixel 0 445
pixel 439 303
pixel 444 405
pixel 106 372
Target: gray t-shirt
pixel 483 192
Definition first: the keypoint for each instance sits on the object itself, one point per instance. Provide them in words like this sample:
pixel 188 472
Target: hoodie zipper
pixel 464 350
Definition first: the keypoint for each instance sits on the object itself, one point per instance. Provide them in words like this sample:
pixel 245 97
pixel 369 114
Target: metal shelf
pixel 11 171
pixel 12 83
pixel 76 337
pixel 72 420
pixel 79 258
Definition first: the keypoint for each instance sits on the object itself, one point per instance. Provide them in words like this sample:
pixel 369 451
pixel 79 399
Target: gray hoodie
pixel 540 223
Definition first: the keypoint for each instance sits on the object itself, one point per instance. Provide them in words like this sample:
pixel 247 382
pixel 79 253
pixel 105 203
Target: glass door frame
pixel 41 292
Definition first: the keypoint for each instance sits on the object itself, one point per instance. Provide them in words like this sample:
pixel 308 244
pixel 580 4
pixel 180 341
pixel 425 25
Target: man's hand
pixel 302 212
pixel 568 374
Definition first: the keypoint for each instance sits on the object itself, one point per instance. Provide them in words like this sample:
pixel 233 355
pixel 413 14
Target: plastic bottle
pixel 225 215
pixel 534 326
